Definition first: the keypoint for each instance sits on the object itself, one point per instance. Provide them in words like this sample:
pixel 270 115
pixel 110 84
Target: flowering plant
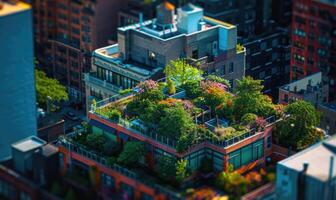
pixel 147 85
pixel 260 123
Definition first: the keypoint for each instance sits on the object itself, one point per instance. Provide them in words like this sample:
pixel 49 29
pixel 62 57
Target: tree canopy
pixel 132 153
pixel 46 86
pixel 298 130
pixel 180 71
pixel 250 99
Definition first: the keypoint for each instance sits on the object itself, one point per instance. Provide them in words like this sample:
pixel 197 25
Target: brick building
pixel 66 32
pixel 314 41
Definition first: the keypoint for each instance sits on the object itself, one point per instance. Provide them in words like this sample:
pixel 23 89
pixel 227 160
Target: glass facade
pixel 247 154
pixel 115 78
pixel 195 159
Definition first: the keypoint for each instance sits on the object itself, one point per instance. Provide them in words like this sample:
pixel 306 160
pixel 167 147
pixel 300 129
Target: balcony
pixel 92 79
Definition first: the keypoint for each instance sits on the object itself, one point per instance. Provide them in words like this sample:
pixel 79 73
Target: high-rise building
pixel 66 33
pixel 314 41
pixel 17 84
pixel 139 54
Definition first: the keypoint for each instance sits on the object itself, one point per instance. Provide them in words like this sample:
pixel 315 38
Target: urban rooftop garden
pixel 186 108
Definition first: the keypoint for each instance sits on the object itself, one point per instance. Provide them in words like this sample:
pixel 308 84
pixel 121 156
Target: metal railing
pixel 143 131
pixel 80 149
pixel 91 78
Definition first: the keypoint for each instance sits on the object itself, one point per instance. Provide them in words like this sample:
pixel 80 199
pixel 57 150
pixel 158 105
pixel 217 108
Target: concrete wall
pixel 17 83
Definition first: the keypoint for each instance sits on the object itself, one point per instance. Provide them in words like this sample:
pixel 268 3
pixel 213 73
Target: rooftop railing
pixel 73 146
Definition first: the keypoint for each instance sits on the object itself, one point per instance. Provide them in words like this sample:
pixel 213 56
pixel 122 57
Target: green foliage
pixel 111 113
pixel 249 99
pixel 248 119
pixel 171 87
pixel 132 153
pixel 49 87
pixel 165 167
pixel 192 89
pixel 175 122
pixel 298 130
pixel 111 160
pixel 70 195
pixel 239 47
pixel 232 182
pixel 218 80
pixel 182 72
pixel 96 141
pixel 181 170
pixel 125 91
pixel 226 133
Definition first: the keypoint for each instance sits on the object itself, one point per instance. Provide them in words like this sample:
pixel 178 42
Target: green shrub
pixel 248 119
pixel 171 87
pixel 96 141
pixel 132 153
pixel 225 133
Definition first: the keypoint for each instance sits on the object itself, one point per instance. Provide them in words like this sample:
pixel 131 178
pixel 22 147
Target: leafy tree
pixel 175 122
pixel 49 87
pixel 249 99
pixel 182 72
pixel 165 167
pixel 132 153
pixel 181 170
pixel 214 94
pixel 96 141
pixel 193 89
pixel 70 195
pixel 298 130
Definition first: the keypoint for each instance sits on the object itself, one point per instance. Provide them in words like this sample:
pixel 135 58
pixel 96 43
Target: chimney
pixel 305 166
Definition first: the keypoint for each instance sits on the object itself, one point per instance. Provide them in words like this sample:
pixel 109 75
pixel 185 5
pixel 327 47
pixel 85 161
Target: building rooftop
pixel 8 8
pixel 307 84
pixel 318 158
pixel 189 20
pixel 28 144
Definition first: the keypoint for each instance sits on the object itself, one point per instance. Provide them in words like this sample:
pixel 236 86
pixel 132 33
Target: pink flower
pixel 147 85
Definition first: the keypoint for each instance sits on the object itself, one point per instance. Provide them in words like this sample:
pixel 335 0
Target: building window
pixel 231 67
pixel 223 70
pixel 195 54
pixel 300 32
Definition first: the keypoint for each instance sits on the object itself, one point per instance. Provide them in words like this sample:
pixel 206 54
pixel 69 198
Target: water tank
pixel 165 14
pixel 189 17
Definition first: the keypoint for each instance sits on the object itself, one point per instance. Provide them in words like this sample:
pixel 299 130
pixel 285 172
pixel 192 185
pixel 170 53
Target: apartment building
pixel 17 84
pixel 145 48
pixel 328 117
pixel 310 88
pixel 314 41
pixel 268 59
pixel 66 33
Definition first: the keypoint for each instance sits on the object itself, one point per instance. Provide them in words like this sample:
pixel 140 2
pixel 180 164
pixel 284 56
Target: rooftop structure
pixel 310 88
pixel 139 55
pixel 309 174
pixel 28 144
